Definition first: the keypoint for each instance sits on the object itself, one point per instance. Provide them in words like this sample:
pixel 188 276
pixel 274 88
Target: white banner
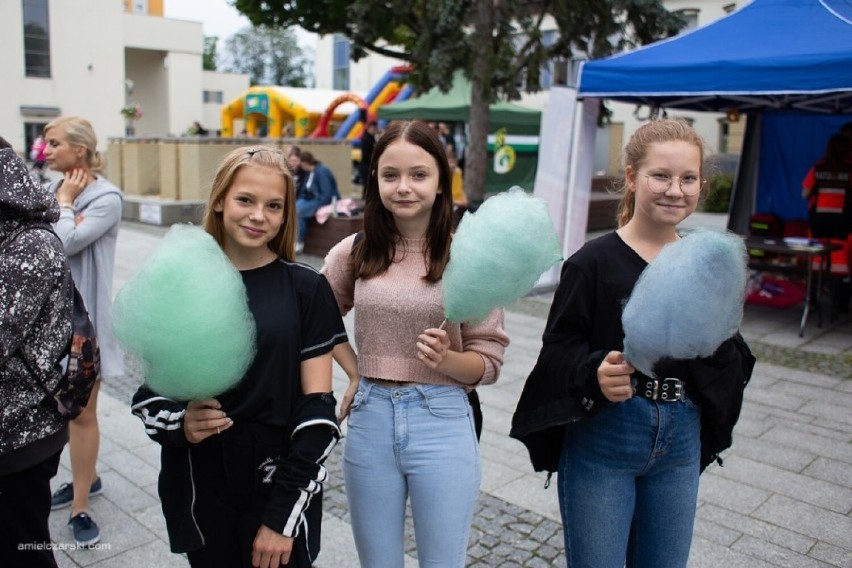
pixel 564 175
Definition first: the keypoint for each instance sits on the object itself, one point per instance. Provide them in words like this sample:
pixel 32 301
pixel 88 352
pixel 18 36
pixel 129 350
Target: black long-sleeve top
pixel 584 325
pixel 296 318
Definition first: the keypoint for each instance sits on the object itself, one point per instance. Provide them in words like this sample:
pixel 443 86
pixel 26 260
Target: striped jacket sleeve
pixel 162 417
pixel 300 474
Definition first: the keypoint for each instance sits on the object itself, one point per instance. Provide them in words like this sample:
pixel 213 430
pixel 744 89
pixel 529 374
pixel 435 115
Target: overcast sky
pixel 219 18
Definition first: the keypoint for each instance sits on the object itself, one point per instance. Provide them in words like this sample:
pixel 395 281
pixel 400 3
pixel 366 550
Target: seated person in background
pixel 318 188
pixel 197 130
pixel 294 160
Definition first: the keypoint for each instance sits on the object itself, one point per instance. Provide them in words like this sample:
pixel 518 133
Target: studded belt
pixel 663 390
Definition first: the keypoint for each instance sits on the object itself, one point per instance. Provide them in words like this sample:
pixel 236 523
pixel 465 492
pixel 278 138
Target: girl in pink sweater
pixel 411 432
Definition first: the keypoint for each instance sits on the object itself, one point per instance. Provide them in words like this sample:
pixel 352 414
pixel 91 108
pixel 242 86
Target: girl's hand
pixel 614 377
pixel 270 549
pixel 433 345
pixel 348 396
pixel 73 184
pixel 204 419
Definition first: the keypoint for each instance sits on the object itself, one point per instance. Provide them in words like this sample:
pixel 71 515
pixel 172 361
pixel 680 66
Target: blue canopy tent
pixel 780 62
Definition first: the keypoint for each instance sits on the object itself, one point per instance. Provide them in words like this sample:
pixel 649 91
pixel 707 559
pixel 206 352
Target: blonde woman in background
pixel 90 212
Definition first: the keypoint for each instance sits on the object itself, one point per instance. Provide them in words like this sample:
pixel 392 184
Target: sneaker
pixel 300 246
pixel 86 532
pixel 65 494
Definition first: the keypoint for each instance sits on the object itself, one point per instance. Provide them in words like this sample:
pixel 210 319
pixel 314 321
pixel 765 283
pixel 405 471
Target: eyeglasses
pixel 661 183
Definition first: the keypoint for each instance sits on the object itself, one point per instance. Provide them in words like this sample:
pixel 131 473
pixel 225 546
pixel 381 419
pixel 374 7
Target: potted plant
pixel 131 112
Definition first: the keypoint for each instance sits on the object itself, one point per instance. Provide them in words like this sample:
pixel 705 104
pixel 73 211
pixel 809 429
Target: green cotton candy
pixel 497 255
pixel 185 317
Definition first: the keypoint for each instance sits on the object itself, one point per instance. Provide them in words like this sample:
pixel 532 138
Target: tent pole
pixel 580 175
pixel 744 192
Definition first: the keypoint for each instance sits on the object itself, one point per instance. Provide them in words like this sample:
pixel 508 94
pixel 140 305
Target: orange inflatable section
pixel 385 96
pixel 321 130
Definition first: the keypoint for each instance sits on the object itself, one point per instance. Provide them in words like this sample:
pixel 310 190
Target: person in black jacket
pixel 35 328
pixel 629 448
pixel 368 143
pixel 242 474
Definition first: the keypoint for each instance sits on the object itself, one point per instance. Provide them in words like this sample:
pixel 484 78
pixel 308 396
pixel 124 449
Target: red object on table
pixel 776 293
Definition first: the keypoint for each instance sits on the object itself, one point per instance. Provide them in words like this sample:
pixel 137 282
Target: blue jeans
pixel 628 485
pixel 305 209
pixel 417 442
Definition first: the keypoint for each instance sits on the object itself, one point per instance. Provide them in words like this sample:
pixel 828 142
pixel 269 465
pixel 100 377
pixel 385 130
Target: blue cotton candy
pixel 185 317
pixel 687 301
pixel 497 255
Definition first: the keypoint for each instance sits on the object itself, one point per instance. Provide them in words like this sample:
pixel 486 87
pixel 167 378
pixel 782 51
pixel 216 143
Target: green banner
pixel 257 103
pixel 512 160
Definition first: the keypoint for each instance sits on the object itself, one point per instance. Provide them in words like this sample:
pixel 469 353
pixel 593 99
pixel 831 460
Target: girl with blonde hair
pixel 629 448
pixel 90 213
pixel 242 473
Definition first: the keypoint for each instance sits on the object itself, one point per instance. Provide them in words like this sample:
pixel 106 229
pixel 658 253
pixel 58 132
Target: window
pixel 548 70
pixel 215 97
pixel 728 8
pixel 340 65
pixel 690 16
pixel 724 136
pixel 136 6
pixel 36 38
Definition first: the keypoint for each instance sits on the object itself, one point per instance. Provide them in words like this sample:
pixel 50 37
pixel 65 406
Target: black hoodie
pixel 35 319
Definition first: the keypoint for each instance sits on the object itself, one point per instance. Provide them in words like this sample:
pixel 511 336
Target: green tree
pixel 498 43
pixel 269 54
pixel 208 58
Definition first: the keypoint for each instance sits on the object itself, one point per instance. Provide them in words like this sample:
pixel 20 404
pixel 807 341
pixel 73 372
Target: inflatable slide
pixel 388 89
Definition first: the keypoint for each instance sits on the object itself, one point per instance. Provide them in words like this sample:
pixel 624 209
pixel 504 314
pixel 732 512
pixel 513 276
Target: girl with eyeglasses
pixel 242 473
pixel 629 448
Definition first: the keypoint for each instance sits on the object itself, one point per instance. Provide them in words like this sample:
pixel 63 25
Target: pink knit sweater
pixel 392 309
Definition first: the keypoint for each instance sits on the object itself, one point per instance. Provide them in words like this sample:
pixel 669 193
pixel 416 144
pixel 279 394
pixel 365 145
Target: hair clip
pixel 253 151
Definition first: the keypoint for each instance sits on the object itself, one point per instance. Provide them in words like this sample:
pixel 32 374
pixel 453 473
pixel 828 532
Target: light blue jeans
pixel 628 485
pixel 417 442
pixel 305 209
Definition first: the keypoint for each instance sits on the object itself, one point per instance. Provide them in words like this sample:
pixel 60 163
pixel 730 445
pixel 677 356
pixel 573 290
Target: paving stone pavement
pixel 782 499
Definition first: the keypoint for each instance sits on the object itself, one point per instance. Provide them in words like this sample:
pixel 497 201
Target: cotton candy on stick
pixel 687 301
pixel 497 255
pixel 185 316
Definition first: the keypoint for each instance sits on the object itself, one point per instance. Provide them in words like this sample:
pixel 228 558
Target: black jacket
pixel 298 477
pixel 584 324
pixel 296 319
pixel 35 319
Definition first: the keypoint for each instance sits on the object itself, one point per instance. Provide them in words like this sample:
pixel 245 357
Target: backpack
pixel 82 355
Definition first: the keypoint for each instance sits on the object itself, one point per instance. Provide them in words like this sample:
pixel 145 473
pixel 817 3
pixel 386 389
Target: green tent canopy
pixel 454 106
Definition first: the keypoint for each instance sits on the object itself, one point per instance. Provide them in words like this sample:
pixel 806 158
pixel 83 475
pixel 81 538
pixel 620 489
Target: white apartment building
pixel 92 57
pixel 334 70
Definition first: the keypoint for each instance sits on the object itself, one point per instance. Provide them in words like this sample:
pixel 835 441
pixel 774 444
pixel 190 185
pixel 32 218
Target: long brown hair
pixel 654 132
pixel 282 244
pixel 374 253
